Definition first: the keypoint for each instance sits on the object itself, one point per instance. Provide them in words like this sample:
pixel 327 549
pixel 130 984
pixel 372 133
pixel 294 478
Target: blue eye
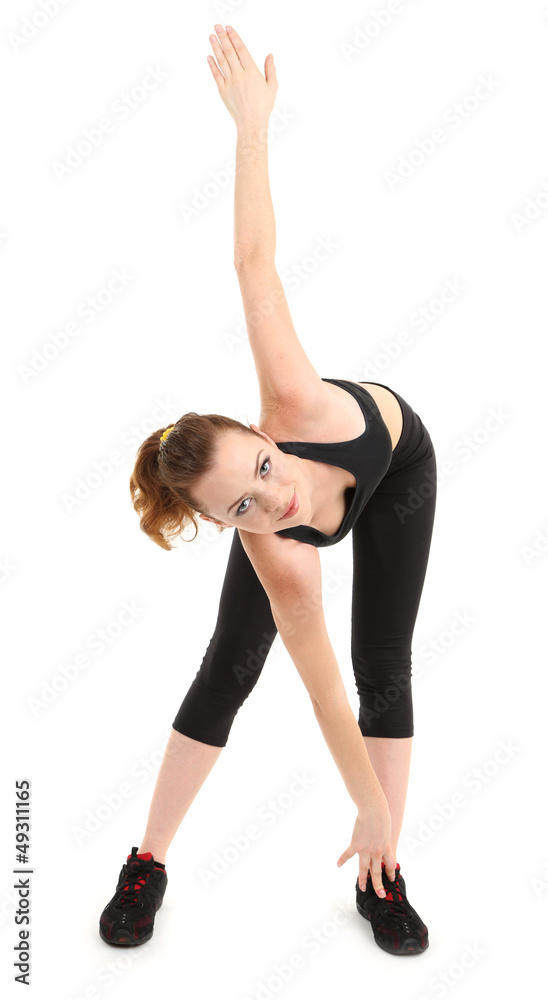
pixel 240 511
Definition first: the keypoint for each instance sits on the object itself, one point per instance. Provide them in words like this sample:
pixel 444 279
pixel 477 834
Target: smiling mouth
pixel 290 510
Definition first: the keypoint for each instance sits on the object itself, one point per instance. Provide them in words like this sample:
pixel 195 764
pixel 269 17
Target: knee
pixel 383 682
pixel 206 714
pixel 379 668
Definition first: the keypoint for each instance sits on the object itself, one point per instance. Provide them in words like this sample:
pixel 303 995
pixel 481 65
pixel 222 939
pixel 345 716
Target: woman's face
pixel 252 484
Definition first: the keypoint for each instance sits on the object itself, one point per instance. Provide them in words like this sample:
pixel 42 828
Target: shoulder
pixel 284 565
pixel 299 415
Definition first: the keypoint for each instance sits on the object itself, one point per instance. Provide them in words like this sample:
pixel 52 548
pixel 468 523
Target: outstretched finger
pixel 224 65
pixel 376 876
pixel 390 863
pixel 219 78
pixel 239 47
pixel 228 49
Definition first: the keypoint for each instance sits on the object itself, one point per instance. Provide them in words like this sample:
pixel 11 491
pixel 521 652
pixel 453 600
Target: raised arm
pixel 249 97
pixel 287 378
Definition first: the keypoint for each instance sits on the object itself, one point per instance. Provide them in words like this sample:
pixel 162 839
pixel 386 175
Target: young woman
pixel 330 456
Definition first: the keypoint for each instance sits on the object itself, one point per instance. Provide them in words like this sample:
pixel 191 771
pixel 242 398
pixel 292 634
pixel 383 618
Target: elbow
pixel 254 258
pixel 329 704
pixel 241 266
pixel 241 261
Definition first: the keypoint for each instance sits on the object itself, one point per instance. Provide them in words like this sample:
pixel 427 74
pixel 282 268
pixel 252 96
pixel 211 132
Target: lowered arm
pixel 310 649
pixel 291 576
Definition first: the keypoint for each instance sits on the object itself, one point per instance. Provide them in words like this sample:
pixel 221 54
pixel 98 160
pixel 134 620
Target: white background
pixel 356 98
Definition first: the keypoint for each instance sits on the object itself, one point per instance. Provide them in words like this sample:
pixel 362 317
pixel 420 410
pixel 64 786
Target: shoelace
pixel 129 893
pixel 399 907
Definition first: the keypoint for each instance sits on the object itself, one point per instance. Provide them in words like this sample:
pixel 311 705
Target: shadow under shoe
pixel 128 918
pixel 397 927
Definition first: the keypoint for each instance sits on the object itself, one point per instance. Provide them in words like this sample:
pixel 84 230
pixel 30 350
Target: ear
pixel 263 434
pixel 204 517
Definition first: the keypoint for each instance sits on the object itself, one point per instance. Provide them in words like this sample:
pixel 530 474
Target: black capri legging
pixel 390 545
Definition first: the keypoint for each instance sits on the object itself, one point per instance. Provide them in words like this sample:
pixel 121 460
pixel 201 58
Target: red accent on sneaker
pixel 390 895
pixel 396 889
pixel 134 884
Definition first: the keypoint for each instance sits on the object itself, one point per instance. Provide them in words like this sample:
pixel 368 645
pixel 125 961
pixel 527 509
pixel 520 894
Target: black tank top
pixel 367 457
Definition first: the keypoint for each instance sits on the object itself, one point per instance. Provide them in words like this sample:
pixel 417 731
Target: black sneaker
pixel 397 927
pixel 128 918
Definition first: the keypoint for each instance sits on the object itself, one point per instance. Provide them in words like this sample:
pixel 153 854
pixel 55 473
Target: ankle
pixel 158 854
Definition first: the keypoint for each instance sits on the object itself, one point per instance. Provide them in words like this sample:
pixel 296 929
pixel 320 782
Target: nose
pixel 275 504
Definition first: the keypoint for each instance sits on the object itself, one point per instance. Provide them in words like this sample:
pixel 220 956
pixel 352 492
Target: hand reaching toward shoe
pixel 371 841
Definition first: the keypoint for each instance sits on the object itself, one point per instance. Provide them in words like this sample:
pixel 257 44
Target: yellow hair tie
pixel 165 434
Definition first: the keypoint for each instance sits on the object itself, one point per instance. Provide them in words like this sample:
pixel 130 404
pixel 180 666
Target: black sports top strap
pixel 367 457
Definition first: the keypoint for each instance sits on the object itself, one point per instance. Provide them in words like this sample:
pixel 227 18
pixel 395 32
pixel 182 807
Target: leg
pixel 185 766
pixel 235 657
pixel 391 760
pixel 391 545
pixel 243 636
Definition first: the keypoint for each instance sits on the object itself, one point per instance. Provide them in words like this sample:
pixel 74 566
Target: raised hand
pixel 246 93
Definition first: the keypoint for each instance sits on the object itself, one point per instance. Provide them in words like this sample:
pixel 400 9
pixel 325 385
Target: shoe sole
pixel 126 942
pixel 412 950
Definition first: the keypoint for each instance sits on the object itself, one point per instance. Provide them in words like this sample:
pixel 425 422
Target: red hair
pixel 162 482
